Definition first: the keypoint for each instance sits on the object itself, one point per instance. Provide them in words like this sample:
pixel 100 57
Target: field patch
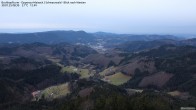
pixel 54 92
pixel 69 69
pixel 84 73
pixel 108 71
pixel 117 79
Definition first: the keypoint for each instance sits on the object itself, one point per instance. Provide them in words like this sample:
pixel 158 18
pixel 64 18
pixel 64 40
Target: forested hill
pixel 76 37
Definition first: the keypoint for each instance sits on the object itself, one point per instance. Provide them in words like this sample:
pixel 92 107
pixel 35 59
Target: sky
pixel 116 16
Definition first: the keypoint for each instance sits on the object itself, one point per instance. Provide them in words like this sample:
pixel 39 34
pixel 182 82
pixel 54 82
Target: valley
pixel 75 70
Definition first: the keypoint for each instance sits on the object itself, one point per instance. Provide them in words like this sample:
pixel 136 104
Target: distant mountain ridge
pixel 137 46
pixel 52 37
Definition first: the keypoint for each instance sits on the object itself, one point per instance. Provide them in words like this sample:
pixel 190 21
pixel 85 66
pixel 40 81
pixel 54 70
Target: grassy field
pixel 117 79
pixel 84 73
pixel 54 92
pixel 69 69
pixel 107 71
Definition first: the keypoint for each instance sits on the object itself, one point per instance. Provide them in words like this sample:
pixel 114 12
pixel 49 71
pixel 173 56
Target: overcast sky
pixel 117 16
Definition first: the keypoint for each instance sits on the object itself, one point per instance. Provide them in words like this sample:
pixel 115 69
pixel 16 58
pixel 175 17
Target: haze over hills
pixel 135 46
pixel 75 70
pixel 99 41
pixel 76 37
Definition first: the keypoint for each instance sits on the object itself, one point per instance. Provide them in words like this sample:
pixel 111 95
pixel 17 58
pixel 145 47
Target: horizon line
pixel 28 31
